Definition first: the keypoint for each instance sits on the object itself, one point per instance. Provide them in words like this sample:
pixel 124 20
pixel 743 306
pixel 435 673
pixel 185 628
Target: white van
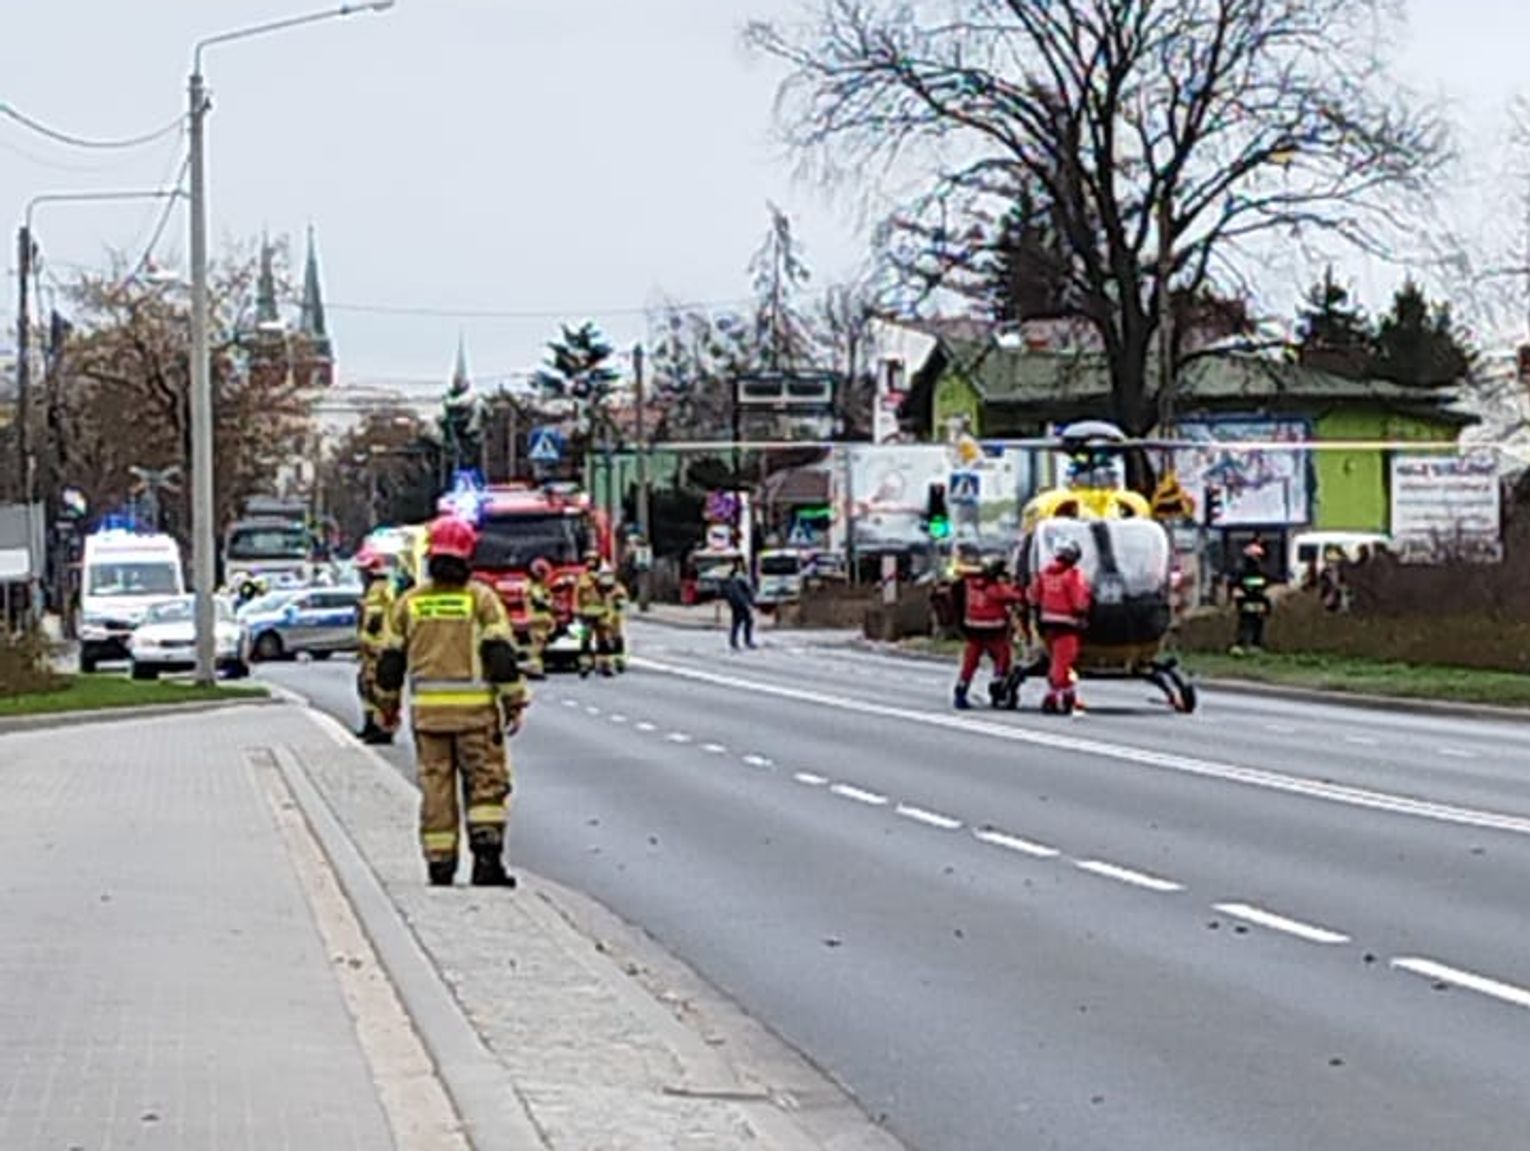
pixel 1311 549
pixel 780 577
pixel 123 574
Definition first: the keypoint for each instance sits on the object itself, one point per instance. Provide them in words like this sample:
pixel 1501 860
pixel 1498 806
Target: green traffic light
pixel 940 528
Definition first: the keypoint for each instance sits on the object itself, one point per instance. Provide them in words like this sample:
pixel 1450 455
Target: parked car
pixel 318 620
pixel 781 579
pixel 166 640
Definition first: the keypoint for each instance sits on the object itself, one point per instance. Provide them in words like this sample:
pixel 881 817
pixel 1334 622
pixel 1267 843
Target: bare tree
pixel 1165 141
pixel 782 332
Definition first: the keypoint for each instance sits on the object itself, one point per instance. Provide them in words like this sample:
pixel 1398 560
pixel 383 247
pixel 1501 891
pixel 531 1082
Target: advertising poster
pixel 1447 507
pixel 1260 488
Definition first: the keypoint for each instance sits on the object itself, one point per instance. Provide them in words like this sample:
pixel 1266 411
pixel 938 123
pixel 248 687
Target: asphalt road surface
pixel 1268 925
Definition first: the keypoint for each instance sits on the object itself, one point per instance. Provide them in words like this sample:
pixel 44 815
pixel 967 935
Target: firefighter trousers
pixel 538 636
pixel 596 651
pixel 366 689
pixel 464 768
pixel 1063 644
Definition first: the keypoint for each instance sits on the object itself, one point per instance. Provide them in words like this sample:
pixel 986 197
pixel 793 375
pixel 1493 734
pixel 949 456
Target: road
pixel 1268 925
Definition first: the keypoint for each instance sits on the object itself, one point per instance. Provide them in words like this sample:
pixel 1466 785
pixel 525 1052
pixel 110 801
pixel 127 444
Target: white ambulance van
pixel 123 574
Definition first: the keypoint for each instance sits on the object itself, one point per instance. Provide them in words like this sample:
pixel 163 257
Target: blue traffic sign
pixel 546 445
pixel 964 488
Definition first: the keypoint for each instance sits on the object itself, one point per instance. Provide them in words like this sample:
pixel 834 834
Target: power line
pixel 495 314
pixel 80 142
pixel 164 222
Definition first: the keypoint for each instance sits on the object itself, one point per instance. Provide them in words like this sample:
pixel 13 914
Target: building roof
pixel 1013 377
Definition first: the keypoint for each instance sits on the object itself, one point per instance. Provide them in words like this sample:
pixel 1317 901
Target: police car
pixel 318 620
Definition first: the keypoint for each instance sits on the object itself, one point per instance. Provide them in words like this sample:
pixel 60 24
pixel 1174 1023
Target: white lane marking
pixel 617 718
pixel 1429 969
pixel 871 798
pixel 758 760
pixel 715 748
pixel 1362 740
pixel 811 780
pixel 1457 753
pixel 1127 875
pixel 1307 931
pixel 646 726
pixel 592 710
pixel 928 818
pixel 678 737
pixel 1015 843
pixel 1280 728
pixel 1145 757
pixel 570 703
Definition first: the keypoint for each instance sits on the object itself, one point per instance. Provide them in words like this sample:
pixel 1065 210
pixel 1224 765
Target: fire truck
pixel 519 523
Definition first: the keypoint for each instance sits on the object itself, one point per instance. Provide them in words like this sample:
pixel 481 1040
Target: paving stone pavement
pixel 162 981
pixel 600 1063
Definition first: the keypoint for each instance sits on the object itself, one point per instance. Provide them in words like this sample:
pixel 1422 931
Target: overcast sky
pixel 542 156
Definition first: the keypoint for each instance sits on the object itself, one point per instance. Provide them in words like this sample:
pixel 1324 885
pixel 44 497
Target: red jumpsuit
pixel 987 603
pixel 1062 597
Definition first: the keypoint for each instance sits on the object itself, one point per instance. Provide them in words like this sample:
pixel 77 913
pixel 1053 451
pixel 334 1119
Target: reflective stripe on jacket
pixel 440 631
pixel 1061 595
pixel 988 603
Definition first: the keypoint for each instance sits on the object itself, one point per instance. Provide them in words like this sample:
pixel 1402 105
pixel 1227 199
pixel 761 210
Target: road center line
pixel 929 818
pixel 997 838
pixel 1127 875
pixel 871 798
pixel 1429 969
pixel 678 737
pixel 617 718
pixel 1144 757
pixel 1457 753
pixel 809 779
pixel 758 761
pixel 1362 740
pixel 1307 931
pixel 646 726
pixel 715 748
pixel 592 710
pixel 570 703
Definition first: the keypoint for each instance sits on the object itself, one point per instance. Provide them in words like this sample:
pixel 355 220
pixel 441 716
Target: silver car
pixel 320 621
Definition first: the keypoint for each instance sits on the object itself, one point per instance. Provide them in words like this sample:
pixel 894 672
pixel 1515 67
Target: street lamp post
pixel 204 528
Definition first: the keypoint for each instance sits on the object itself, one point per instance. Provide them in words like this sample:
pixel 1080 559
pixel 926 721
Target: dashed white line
pixel 1457 753
pixel 857 795
pixel 592 710
pixel 715 748
pixel 809 779
pixel 678 737
pixel 758 760
pixel 617 717
pixel 928 818
pixel 1362 740
pixel 1127 875
pixel 1280 728
pixel 1307 931
pixel 646 726
pixel 1481 984
pixel 570 703
pixel 1009 842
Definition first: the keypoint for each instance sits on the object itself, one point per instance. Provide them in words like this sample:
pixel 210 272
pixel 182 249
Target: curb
pixel 492 1113
pixel 52 719
pixel 1254 688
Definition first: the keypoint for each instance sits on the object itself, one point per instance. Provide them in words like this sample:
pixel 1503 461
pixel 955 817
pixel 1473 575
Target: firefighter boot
pixel 489 867
pixel 442 871
pixel 962 703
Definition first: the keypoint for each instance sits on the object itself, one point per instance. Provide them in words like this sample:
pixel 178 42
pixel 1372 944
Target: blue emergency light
pixel 468 496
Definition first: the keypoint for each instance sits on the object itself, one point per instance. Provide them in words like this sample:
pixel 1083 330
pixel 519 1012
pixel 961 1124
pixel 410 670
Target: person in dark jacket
pixel 1251 595
pixel 740 596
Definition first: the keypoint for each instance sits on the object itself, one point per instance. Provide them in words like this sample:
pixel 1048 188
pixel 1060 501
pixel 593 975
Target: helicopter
pixel 1127 556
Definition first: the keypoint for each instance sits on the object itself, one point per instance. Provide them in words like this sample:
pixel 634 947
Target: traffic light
pixel 937 518
pixel 1213 505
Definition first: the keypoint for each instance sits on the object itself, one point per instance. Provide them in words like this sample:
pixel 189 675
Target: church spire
pixel 266 311
pixel 311 322
pixel 461 380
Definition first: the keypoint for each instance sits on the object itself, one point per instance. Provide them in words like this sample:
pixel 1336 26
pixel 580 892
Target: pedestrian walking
pixel 739 594
pixel 451 639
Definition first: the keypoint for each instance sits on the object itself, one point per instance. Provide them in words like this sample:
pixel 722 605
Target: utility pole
pixel 645 573
pixel 23 361
pixel 203 529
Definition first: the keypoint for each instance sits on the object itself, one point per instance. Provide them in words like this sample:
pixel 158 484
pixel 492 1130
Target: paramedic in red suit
pixel 988 599
pixel 1061 597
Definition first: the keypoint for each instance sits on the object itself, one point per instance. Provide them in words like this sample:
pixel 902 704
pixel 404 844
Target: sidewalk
pixel 214 925
pixel 163 980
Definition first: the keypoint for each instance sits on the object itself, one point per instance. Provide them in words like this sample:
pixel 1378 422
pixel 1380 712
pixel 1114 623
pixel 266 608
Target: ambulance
pixel 123 574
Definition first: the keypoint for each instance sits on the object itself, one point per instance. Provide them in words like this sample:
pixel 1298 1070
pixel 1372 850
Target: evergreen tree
pixel 1333 334
pixel 782 329
pixel 1417 343
pixel 577 370
pixel 1025 272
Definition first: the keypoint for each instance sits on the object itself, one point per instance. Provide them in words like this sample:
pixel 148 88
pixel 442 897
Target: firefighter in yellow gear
pixel 373 624
pixel 543 618
pixel 593 608
pixel 451 640
pixel 616 616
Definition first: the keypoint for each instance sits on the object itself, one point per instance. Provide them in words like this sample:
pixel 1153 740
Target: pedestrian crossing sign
pixel 546 446
pixel 964 487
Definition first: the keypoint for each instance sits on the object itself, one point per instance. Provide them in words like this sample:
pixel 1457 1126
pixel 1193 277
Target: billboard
pixel 889 484
pixel 1447 507
pixel 1260 488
